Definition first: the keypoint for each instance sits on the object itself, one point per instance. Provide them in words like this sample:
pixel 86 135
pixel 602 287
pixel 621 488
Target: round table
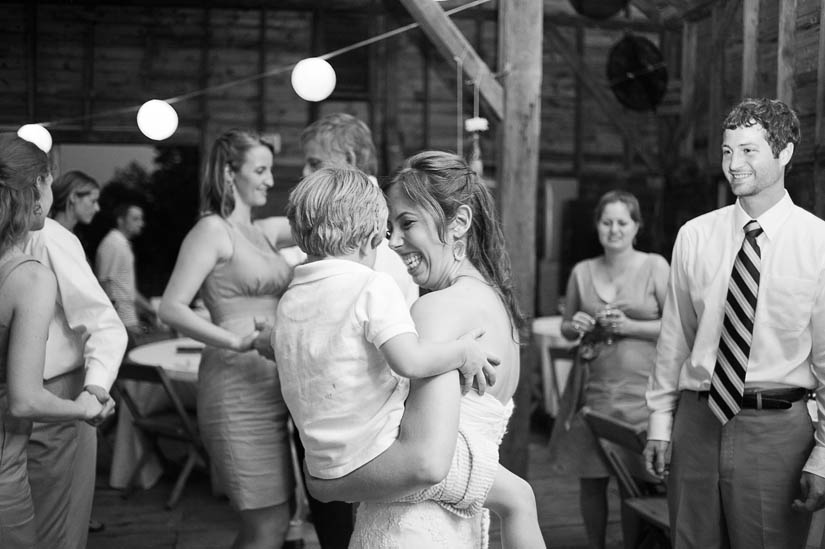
pixel 178 357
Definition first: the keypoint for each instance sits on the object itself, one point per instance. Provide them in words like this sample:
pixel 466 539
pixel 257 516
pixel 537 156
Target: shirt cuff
pixel 816 462
pixel 98 374
pixel 660 426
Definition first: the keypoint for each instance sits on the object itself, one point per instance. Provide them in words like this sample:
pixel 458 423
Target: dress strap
pixel 6 267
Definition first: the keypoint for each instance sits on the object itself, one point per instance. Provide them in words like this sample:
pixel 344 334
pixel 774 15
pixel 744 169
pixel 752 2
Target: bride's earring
pixel 459 250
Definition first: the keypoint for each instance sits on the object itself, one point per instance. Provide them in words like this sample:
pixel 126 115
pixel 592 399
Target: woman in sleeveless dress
pixel 617 299
pixel 235 264
pixel 442 223
pixel 27 299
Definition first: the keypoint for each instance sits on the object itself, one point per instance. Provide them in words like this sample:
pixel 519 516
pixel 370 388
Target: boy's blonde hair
pixel 333 211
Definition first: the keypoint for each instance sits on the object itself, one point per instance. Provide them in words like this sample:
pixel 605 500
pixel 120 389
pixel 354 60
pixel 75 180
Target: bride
pixel 468 276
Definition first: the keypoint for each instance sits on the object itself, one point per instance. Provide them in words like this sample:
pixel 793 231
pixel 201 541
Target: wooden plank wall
pixel 800 69
pixel 96 59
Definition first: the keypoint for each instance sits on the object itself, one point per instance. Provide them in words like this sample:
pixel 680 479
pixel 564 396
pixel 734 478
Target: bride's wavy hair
pixel 441 182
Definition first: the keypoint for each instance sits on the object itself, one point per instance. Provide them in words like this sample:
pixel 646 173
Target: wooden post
pixel 750 34
pixel 262 47
pixel 31 62
pixel 88 74
pixel 520 56
pixel 578 116
pixel 784 52
pixel 206 45
pixel 716 78
pixel 819 136
pixel 690 33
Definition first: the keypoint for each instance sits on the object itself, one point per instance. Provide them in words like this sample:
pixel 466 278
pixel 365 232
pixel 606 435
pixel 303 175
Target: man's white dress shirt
pixel 788 348
pixel 85 329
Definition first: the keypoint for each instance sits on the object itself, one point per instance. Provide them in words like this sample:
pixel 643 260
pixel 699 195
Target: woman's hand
pixel 246 343
pixel 582 322
pixel 615 321
pixel 90 404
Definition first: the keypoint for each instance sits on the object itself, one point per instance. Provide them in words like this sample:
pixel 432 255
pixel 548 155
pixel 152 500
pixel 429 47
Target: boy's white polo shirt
pixel 345 400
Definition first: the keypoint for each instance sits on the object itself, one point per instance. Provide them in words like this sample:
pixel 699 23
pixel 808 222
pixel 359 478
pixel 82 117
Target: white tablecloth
pixel 554 371
pixel 180 359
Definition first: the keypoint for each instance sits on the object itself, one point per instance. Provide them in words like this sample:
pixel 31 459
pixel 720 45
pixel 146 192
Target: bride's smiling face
pixel 413 235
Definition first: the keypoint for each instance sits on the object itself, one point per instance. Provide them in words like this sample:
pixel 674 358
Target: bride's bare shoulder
pixel 452 311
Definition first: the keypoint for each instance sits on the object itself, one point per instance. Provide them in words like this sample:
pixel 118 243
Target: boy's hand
pixel 263 343
pixel 479 365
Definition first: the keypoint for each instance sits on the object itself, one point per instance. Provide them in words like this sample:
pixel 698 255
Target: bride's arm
pixel 422 455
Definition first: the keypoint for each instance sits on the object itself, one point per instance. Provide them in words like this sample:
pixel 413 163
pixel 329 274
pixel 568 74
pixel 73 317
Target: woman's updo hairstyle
pixel 73 182
pixel 21 164
pixel 441 182
pixel 228 150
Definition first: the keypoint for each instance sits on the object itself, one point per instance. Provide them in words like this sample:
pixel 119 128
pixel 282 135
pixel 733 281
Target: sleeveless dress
pixel 427 525
pixel 617 377
pixel 17 526
pixel 241 413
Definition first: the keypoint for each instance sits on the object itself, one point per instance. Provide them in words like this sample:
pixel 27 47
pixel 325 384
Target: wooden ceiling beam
pixel 666 15
pixel 454 46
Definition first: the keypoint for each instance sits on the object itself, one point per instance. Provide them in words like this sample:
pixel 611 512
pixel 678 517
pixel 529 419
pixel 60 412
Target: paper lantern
pixel 157 119
pixel 37 134
pixel 313 79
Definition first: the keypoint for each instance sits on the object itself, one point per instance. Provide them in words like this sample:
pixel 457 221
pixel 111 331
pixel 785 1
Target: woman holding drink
pixel 614 302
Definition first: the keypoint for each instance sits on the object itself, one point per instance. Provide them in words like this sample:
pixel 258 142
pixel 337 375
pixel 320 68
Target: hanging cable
pixel 265 74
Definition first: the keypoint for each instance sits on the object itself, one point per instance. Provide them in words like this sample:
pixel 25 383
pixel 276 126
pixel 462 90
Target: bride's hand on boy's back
pixel 479 364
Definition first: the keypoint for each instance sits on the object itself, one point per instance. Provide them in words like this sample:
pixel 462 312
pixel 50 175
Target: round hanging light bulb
pixel 37 134
pixel 157 119
pixel 313 79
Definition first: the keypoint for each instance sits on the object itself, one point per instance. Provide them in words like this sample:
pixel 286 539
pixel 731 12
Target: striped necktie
pixel 728 383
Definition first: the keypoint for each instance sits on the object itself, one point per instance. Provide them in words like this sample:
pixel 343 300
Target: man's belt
pixel 770 399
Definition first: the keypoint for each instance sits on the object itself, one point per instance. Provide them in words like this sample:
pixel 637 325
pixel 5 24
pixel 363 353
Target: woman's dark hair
pixel 228 150
pixel 74 181
pixel 626 198
pixel 441 182
pixel 21 165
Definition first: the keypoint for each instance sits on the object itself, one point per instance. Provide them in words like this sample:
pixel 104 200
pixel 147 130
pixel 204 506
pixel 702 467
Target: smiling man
pixel 741 347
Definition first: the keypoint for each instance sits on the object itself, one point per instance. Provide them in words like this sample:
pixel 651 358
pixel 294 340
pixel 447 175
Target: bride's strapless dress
pixel 427 525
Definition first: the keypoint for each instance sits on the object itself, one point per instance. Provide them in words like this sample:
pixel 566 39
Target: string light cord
pixel 265 74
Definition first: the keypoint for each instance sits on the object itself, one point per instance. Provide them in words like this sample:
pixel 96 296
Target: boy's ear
pixel 462 221
pixel 352 158
pixel 376 239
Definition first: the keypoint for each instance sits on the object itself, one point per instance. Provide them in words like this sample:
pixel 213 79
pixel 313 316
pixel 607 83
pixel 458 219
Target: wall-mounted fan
pixel 637 73
pixel 598 9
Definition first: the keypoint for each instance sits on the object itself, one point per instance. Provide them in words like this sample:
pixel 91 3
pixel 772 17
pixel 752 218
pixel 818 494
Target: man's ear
pixel 462 221
pixel 786 154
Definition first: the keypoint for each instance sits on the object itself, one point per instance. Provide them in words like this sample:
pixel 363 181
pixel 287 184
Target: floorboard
pixel 203 521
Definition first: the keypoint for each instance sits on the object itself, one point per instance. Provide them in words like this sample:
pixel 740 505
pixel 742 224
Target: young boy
pixel 345 343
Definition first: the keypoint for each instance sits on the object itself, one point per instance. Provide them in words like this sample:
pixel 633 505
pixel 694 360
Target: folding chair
pixel 178 424
pixel 645 522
